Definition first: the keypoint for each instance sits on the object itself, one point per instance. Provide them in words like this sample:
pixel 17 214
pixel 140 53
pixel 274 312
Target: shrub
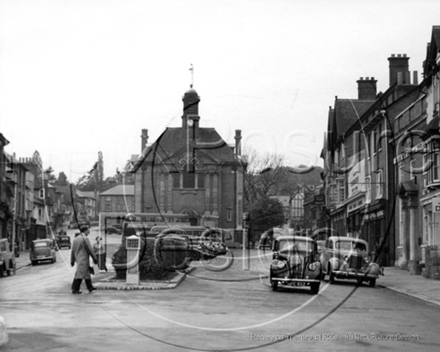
pixel 151 267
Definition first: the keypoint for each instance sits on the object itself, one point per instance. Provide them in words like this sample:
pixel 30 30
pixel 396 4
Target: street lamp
pixel 14 204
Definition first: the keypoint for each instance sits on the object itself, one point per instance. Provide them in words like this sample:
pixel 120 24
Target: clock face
pixel 190 122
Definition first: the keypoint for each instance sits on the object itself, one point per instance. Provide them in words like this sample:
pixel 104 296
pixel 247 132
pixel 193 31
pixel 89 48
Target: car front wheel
pixel 331 276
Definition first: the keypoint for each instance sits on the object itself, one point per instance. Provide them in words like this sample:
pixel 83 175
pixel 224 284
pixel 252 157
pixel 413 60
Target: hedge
pixel 151 267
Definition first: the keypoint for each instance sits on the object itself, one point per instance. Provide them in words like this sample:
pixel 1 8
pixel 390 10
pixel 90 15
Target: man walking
pixel 81 251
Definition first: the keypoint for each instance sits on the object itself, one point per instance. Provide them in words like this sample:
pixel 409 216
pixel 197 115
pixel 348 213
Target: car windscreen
pixel 41 244
pixel 296 246
pixel 349 245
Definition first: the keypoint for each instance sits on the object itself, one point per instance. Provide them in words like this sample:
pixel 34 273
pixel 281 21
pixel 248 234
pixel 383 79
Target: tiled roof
pixel 344 114
pixel 347 112
pixel 85 194
pixel 436 35
pixel 173 142
pixel 119 190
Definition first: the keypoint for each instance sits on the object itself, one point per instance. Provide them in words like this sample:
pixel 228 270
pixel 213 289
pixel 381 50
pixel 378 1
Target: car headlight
pixel 281 265
pixel 313 266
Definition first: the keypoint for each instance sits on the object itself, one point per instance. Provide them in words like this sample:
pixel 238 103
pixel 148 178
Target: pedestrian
pixel 81 252
pixel 99 250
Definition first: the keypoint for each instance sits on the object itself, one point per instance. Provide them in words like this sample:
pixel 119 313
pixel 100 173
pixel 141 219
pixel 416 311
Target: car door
pixel 327 254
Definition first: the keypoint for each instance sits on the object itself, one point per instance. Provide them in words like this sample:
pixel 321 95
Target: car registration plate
pixel 40 256
pixel 299 283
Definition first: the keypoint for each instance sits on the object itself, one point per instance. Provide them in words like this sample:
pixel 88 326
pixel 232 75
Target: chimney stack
pixel 367 88
pixel 415 78
pixel 144 139
pixel 398 64
pixel 237 142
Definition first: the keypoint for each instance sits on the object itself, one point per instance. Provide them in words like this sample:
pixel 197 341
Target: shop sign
pixel 436 205
pixel 319 199
pixel 419 148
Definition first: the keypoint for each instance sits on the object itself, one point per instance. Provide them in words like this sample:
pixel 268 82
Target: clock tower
pixel 190 117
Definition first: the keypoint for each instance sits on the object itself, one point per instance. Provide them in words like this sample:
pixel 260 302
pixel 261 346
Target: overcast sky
pixel 82 76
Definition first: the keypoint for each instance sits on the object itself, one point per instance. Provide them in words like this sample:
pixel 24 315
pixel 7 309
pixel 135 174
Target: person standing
pixel 99 250
pixel 81 252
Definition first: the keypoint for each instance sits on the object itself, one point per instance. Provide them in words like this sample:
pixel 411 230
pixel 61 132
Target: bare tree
pixel 264 175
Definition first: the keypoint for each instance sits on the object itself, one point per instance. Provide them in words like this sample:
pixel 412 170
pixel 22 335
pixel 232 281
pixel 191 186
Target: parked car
pixel 42 250
pixel 349 258
pixel 206 247
pixel 63 240
pixel 7 258
pixel 295 262
pixel 112 229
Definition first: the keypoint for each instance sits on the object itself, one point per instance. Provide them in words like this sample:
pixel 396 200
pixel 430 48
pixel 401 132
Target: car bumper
pixel 41 257
pixel 342 274
pixel 287 281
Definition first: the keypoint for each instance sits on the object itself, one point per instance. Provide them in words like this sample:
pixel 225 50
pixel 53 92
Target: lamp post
pixel 14 206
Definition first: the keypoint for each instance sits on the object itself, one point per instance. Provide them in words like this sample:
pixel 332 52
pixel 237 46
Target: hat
pixel 83 228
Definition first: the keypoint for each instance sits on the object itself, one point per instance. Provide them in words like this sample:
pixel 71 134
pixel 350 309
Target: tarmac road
pixel 229 310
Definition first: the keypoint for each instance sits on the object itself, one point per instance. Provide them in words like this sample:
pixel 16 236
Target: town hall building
pixel 191 170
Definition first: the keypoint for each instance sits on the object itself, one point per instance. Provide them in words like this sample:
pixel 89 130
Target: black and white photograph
pixel 219 175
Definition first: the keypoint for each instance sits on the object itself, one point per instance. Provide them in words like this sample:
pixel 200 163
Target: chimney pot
pixel 367 78
pixel 404 55
pixel 144 138
pixel 399 55
pixel 372 78
pixel 415 78
pixel 393 55
pixel 361 78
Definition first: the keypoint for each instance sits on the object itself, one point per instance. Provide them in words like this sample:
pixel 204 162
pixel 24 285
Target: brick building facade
pixel 191 170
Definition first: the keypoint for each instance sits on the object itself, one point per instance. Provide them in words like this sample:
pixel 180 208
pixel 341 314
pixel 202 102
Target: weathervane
pixel 192 75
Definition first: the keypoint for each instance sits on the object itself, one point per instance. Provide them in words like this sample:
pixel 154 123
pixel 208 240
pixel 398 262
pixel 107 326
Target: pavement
pixel 395 279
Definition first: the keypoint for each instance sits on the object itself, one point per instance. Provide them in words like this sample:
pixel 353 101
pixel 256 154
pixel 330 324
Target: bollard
pixel 133 245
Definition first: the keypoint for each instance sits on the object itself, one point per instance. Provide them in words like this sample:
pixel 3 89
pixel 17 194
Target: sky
pixel 82 76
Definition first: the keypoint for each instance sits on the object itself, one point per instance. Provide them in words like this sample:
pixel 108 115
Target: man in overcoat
pixel 81 252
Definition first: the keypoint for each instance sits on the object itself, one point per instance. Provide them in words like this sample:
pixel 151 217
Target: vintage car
pixel 113 229
pixel 295 262
pixel 42 250
pixel 7 258
pixel 348 258
pixel 63 240
pixel 189 247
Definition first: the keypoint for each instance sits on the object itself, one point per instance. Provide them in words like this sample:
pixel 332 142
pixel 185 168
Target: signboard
pixel 436 205
pixel 319 199
pixel 356 179
pixel 133 242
